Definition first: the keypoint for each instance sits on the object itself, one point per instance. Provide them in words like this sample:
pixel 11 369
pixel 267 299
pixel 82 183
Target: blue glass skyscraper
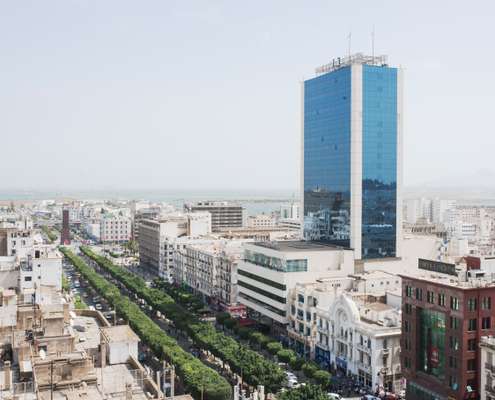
pixel 351 156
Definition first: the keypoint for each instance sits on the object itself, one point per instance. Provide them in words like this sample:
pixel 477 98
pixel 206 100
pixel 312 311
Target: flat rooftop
pixel 436 278
pixel 87 332
pixel 120 333
pixel 298 246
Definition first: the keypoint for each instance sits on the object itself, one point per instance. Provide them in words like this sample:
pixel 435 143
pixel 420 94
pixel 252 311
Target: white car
pixel 292 383
pixel 334 396
pixel 98 306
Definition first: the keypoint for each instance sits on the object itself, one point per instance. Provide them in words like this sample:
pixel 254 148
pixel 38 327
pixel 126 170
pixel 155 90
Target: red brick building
pixel 65 233
pixel 446 308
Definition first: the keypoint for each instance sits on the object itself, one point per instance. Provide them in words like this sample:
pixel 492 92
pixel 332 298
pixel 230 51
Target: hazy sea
pixel 255 201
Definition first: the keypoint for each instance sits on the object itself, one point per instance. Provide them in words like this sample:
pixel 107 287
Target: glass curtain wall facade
pixel 329 159
pixel 379 201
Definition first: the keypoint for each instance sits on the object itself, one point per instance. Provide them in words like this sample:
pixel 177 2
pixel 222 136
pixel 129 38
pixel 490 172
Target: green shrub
pixel 222 317
pixel 230 323
pixel 244 333
pixel 322 378
pixel 286 355
pixel 274 347
pixel 308 392
pixel 297 363
pixel 309 369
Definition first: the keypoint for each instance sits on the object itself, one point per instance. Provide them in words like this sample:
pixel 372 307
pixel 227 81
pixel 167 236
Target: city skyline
pixel 116 93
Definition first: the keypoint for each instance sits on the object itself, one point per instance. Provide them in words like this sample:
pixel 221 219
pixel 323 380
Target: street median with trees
pixel 250 365
pixel 198 379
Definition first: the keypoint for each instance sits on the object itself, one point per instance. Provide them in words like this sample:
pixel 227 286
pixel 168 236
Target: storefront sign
pixel 437 266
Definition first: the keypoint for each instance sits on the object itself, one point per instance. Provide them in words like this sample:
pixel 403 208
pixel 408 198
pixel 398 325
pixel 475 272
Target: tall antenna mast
pixel 373 43
pixel 349 44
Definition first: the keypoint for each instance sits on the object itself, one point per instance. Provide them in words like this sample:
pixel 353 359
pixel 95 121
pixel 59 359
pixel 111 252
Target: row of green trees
pixel 252 366
pixel 202 381
pixel 49 233
pixel 255 338
pixel 308 392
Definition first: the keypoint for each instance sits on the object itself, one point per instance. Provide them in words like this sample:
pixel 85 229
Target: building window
pixel 408 308
pixel 454 303
pixel 471 344
pixel 486 303
pixel 430 297
pixel 485 323
pixel 472 324
pixel 453 382
pixel 453 343
pixel 472 304
pixel 409 291
pixel 471 364
pixel 406 325
pixel 454 323
pixel 453 362
pixel 441 299
pixel 300 298
pixel 292 309
pixel 419 294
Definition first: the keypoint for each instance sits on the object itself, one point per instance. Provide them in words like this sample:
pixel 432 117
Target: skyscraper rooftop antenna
pixel 373 42
pixel 349 44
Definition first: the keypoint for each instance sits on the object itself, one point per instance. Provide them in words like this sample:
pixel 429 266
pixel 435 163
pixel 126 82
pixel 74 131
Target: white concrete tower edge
pixel 400 124
pixel 356 159
pixel 301 178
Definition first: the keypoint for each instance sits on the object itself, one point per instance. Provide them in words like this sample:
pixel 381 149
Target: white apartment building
pixel 115 229
pixel 308 300
pixel 209 268
pixel 15 241
pixel 41 270
pixel 224 215
pixel 418 209
pixel 270 270
pixel 157 239
pixel 304 300
pixel 290 211
pixel 8 308
pixel 261 221
pixel 487 368
pixel 360 335
pixel 440 209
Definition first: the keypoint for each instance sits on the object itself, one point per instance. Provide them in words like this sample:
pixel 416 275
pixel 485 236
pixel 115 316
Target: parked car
pixel 334 396
pixel 98 306
pixel 292 383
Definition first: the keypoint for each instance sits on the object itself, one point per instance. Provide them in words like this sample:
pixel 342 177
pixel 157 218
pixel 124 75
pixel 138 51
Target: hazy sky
pixel 205 94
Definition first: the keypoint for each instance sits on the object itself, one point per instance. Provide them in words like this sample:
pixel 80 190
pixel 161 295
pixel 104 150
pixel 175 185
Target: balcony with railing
pixel 490 389
pixel 490 367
